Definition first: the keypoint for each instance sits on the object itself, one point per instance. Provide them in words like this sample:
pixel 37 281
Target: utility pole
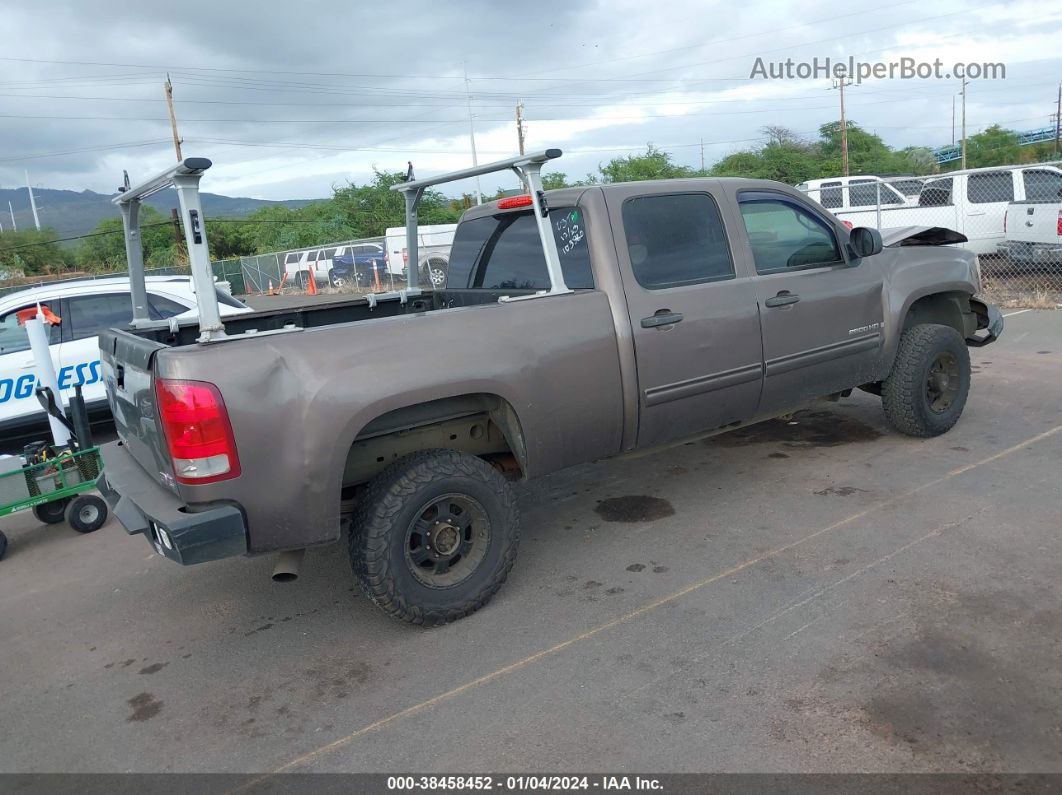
pixel 963 92
pixel 840 84
pixel 472 133
pixel 702 155
pixel 520 125
pixel 33 204
pixel 1058 119
pixel 953 121
pixel 11 209
pixel 178 236
pixel 173 118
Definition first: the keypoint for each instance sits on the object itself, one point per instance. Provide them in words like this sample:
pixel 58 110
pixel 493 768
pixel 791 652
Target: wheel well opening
pixel 482 425
pixel 946 309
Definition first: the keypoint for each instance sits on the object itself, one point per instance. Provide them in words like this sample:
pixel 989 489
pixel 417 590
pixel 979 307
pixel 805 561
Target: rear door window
pixel 995 186
pixel 89 315
pixel 503 252
pixel 163 308
pixel 936 193
pixel 868 193
pixel 675 240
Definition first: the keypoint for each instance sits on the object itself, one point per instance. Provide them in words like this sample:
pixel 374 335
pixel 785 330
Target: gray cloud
pixel 377 84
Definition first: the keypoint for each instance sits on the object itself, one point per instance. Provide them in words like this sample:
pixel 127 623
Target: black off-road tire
pixel 904 395
pixel 86 513
pixel 3 545
pixel 393 502
pixel 51 512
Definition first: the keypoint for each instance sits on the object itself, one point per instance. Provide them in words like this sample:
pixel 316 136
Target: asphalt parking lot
pixel 818 594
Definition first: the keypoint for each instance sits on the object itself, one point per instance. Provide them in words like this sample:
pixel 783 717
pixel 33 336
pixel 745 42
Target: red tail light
pixel 514 201
pixel 197 430
pixel 1058 226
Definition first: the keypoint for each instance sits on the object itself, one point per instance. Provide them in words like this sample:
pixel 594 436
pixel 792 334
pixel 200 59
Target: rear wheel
pixel 434 537
pixel 86 513
pixel 926 392
pixel 333 280
pixel 302 279
pixel 51 512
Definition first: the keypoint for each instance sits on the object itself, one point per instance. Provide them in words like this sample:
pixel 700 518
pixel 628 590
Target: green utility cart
pixel 54 488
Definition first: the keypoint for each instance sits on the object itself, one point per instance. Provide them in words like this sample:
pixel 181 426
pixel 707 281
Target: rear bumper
pixel 1032 253
pixel 185 534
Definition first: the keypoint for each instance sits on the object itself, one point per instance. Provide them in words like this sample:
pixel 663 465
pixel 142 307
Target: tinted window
pixel 92 314
pixel 865 192
pixel 935 193
pixel 908 187
pixel 503 252
pixel 1042 186
pixel 830 194
pixel 329 253
pixel 676 239
pixel 162 308
pixel 13 337
pixel 784 236
pixel 292 258
pixel 996 186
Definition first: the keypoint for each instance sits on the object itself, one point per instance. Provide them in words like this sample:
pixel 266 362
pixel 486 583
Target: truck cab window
pixel 865 193
pixel 830 194
pixel 995 186
pixel 503 252
pixel 1042 185
pixel 785 237
pixel 935 193
pixel 675 240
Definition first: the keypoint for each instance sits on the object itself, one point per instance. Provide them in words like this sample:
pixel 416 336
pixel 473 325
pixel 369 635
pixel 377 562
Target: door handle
pixel 782 299
pixel 662 318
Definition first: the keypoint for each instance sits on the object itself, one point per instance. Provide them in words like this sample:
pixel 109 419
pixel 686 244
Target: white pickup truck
pixel 1033 233
pixel 972 202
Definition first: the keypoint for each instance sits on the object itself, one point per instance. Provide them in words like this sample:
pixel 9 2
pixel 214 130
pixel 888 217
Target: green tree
pixel 995 146
pixel 654 164
pixel 31 252
pixel 104 249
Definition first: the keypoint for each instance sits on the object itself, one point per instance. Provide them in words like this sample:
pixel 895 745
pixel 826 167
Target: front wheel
pixel 51 512
pixel 86 513
pixel 926 391
pixel 335 281
pixel 434 537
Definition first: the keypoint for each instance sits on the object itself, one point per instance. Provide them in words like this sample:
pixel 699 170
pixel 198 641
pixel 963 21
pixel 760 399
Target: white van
pixel 433 252
pixel 973 202
pixel 85 307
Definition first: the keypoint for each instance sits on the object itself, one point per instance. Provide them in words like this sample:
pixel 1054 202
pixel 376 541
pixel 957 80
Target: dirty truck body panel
pixel 699 318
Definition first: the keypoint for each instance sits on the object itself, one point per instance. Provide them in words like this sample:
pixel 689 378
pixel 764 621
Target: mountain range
pixel 72 213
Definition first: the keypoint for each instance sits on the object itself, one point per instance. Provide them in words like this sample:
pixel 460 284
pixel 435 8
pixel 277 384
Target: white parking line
pixel 1009 314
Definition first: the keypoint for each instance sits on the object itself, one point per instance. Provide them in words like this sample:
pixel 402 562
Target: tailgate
pixel 128 362
pixel 1033 223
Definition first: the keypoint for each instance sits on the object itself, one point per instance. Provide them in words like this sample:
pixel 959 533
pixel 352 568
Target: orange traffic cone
pixel 311 288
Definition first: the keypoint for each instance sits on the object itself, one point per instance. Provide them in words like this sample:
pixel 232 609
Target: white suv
pixel 85 308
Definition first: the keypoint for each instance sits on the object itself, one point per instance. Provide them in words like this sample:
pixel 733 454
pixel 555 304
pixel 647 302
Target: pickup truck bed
pixel 696 306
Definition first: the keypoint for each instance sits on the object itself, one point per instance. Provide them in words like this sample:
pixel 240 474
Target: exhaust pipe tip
pixel 288 564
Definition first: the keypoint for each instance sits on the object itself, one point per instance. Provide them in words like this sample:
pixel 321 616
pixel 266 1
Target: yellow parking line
pixel 317 753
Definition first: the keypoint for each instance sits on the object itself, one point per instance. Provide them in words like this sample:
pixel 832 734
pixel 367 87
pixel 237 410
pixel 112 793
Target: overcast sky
pixel 291 99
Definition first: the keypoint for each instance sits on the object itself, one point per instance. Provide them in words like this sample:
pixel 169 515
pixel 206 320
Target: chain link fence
pixel 1011 216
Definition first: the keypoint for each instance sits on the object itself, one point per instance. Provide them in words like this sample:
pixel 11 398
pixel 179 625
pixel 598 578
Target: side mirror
pixel 865 242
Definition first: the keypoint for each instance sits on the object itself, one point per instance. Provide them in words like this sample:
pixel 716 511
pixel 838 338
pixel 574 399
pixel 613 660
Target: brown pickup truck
pixel 575 324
